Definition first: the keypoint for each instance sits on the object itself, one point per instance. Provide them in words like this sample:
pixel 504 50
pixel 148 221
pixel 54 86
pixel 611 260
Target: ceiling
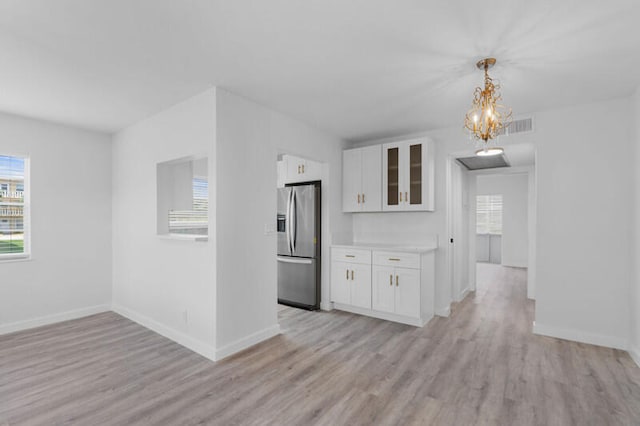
pixel 358 69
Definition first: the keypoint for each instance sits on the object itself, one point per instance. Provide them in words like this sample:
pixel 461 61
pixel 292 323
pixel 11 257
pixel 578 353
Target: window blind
pixel 196 220
pixel 489 214
pixel 14 224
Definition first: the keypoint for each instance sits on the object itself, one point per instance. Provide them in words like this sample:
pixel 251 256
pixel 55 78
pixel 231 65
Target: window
pixel 196 220
pixel 183 198
pixel 14 207
pixel 489 214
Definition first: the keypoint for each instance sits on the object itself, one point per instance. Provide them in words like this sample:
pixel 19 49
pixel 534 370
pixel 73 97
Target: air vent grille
pixel 524 125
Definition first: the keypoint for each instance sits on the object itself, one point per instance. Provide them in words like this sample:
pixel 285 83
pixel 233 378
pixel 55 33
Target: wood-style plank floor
pixel 480 366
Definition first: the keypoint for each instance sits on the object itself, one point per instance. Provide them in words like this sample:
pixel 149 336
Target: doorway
pixel 491 218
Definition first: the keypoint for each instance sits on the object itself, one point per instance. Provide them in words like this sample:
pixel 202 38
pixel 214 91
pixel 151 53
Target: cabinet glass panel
pixel 415 174
pixel 393 161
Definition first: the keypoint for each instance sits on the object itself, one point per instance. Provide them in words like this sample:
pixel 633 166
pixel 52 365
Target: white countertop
pixel 389 247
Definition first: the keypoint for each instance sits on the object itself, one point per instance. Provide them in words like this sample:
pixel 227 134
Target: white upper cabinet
pixel 295 169
pixel 408 175
pixel 362 179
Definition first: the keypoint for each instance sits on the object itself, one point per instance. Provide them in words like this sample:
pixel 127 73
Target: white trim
pixel 245 342
pixel 444 312
pixel 417 322
pixel 198 346
pixel 4 258
pixel 52 319
pixel 326 306
pixel 184 237
pixel 634 353
pixel 580 336
pixel 463 294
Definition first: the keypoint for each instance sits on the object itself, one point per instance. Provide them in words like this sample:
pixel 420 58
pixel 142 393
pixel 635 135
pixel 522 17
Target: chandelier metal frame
pixel 487 117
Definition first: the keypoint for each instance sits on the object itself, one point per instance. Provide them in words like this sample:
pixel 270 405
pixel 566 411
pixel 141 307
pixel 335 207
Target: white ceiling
pixel 355 68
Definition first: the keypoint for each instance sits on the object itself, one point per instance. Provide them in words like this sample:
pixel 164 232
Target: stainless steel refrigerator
pixel 299 245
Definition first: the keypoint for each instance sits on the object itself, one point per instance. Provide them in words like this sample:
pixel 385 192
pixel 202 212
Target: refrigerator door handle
pixel 293 260
pixel 294 220
pixel 288 222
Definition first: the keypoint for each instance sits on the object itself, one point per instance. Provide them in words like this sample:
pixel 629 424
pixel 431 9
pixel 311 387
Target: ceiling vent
pixel 524 125
pixel 479 163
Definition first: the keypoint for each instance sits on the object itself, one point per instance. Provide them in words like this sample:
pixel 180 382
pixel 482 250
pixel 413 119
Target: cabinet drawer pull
pixel 391 280
pixel 351 275
pixel 349 255
pixel 397 281
pixel 395 259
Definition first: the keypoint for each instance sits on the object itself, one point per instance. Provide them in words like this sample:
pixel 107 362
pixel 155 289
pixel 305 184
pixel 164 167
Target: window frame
pixel 26 208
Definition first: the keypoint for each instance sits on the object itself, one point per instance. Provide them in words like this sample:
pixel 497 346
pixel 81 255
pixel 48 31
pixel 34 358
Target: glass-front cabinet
pixel 407 175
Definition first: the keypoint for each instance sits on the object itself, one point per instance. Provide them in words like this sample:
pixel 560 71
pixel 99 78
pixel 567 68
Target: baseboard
pixel 634 352
pixel 444 312
pixel 463 294
pixel 198 346
pixel 416 322
pixel 580 336
pixel 247 341
pixel 52 319
pixel 326 306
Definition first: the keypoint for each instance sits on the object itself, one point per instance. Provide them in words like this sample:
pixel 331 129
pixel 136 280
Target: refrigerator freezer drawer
pixel 297 281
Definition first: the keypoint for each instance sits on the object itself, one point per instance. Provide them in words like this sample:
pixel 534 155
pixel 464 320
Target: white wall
pixel 69 274
pixel 635 285
pixel 515 197
pixel 167 285
pixel 584 212
pixel 584 180
pixel 220 296
pixel 249 139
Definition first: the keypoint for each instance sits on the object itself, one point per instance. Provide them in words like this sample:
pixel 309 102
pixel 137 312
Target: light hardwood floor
pixel 480 366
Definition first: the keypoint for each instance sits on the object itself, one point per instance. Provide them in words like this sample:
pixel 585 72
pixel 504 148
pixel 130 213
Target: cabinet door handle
pixel 298 168
pixel 397 281
pixel 391 280
pixel 303 168
pixel 400 196
pixel 406 196
pixel 352 275
pixel 358 198
pixel 347 274
pixel 362 198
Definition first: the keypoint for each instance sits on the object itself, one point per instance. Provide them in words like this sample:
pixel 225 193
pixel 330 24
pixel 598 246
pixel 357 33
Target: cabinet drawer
pixel 351 255
pixel 399 259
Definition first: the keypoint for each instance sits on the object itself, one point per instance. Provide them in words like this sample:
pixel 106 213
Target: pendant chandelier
pixel 487 117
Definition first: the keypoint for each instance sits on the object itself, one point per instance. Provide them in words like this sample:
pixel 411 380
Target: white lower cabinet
pixel 383 289
pixel 340 292
pixel 351 284
pixel 396 290
pixel 377 286
pixel 407 296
